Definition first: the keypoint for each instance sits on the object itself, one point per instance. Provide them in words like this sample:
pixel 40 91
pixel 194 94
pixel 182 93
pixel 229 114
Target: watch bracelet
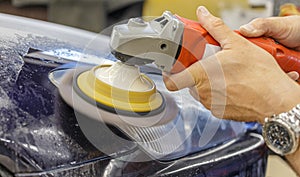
pixel 292 120
pixel 292 117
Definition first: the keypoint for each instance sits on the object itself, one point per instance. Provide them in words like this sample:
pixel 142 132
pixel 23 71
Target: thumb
pixel 216 27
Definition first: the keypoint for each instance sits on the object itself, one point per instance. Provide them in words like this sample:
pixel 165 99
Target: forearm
pixel 251 83
pixel 294 161
pixel 290 99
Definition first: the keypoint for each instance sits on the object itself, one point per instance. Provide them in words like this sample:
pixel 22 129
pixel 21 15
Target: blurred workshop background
pixel 95 15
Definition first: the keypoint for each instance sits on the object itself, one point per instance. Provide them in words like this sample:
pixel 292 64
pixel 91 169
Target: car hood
pixel 39 131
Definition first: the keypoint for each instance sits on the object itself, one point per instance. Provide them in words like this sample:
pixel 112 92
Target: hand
pixel 241 82
pixel 285 30
pixel 293 75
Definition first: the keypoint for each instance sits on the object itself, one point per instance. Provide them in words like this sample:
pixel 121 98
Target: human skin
pixel 279 28
pixel 241 82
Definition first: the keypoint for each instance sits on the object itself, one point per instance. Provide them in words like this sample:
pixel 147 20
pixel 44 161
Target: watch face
pixel 278 137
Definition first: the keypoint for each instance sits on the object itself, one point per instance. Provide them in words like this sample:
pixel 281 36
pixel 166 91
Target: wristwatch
pixel 281 132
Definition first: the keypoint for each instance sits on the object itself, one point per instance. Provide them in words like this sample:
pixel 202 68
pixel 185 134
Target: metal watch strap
pixel 281 132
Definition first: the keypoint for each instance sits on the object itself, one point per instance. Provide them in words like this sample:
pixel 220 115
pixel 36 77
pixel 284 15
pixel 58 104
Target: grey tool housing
pixel 162 36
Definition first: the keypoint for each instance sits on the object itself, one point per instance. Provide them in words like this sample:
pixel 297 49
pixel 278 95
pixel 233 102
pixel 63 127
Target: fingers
pixel 254 29
pixel 263 27
pixel 195 74
pixel 293 75
pixel 284 30
pixel 178 81
pixel 186 78
pixel 216 27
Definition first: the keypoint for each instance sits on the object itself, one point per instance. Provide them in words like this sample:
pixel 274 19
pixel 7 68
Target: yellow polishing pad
pixel 121 87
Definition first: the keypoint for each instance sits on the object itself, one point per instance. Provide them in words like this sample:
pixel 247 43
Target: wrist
pixel 281 134
pixel 293 160
pixel 281 131
pixel 287 96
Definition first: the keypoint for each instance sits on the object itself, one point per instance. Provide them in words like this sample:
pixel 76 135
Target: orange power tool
pixel 173 43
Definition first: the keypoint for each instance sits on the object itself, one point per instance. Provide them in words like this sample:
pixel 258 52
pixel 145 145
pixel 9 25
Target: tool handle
pixel 195 39
pixel 288 59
